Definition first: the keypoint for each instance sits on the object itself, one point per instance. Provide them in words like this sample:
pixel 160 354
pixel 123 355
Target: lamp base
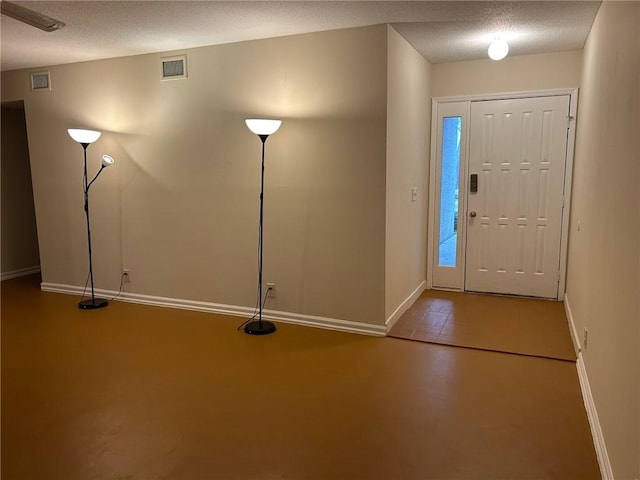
pixel 259 328
pixel 93 303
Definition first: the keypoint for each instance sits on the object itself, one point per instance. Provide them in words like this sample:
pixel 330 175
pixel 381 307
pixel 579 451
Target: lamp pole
pixel 263 138
pixel 86 212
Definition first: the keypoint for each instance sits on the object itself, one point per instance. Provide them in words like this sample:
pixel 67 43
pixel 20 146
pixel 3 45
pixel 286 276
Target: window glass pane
pixel 448 244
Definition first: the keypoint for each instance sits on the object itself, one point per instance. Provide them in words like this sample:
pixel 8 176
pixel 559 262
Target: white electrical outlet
pixel 126 275
pixel 271 287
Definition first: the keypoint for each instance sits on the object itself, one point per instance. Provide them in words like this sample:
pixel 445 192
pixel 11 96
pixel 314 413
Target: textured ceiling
pixel 442 31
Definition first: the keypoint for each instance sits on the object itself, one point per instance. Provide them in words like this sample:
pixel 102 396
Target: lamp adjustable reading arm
pixel 107 161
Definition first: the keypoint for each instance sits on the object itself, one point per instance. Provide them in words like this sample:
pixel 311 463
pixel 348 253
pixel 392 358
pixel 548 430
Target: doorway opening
pixel 20 252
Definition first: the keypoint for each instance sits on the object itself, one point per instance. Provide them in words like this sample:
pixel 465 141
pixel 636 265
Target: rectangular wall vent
pixel 40 81
pixel 174 67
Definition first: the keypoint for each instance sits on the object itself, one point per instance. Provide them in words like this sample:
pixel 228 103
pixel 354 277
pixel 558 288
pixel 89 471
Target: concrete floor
pixel 138 392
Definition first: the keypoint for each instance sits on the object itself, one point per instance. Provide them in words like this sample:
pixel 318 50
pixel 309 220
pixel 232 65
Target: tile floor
pixel 504 324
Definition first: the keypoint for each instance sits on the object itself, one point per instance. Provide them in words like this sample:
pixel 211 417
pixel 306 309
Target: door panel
pixel 518 150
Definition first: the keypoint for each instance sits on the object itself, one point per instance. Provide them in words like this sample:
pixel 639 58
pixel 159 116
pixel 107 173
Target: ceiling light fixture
pixel 498 49
pixel 30 17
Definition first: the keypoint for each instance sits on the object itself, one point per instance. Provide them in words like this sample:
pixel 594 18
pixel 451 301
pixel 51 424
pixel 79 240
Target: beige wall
pixel 408 126
pixel 19 236
pixel 603 280
pixel 513 74
pixel 180 209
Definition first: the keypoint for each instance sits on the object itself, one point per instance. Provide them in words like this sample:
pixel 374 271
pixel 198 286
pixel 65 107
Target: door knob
pixel 473 213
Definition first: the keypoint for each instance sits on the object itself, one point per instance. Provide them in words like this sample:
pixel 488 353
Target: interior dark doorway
pixel 19 235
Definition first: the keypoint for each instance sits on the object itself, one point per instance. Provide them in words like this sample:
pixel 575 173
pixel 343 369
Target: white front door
pixel 517 151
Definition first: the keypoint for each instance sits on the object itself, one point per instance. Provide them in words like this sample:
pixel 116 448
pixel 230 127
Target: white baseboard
pixel 572 326
pixel 594 422
pixel 404 306
pixel 22 272
pixel 199 306
pixel 589 403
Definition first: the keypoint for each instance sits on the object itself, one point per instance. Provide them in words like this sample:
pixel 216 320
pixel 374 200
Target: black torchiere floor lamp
pixel 85 138
pixel 263 128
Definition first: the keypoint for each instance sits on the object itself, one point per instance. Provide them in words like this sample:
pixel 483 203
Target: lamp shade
pixel 498 49
pixel 81 135
pixel 107 160
pixel 263 126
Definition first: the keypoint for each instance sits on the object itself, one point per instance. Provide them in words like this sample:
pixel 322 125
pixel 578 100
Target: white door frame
pixel 568 177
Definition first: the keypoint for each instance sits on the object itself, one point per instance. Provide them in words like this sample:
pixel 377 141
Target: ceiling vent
pixel 40 81
pixel 174 68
